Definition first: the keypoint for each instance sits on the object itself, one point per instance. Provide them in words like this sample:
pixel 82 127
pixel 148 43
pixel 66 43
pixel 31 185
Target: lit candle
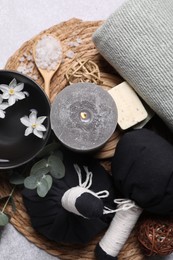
pixel 83 116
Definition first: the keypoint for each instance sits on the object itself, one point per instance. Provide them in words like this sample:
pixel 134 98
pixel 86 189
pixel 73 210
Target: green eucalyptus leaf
pixel 17 179
pixel 4 219
pixel 56 167
pixel 40 167
pixel 58 154
pixel 49 180
pixel 48 149
pixel 39 176
pixel 31 182
pixel 41 173
pixel 42 188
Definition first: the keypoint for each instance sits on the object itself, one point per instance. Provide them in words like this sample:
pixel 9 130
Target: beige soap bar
pixel 130 108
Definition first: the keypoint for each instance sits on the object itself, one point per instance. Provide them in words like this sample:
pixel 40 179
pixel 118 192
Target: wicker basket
pixel 68 32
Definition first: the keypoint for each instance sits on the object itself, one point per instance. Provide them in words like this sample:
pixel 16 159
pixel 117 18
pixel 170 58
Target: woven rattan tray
pixel 68 32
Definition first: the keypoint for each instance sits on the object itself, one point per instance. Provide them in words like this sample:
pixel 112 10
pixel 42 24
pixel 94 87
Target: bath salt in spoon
pixel 47 52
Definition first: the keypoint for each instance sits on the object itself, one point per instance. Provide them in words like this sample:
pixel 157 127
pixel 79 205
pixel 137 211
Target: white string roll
pixel 69 199
pixel 70 196
pixel 127 214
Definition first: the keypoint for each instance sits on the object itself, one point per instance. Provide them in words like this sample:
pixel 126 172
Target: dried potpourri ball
pixel 155 234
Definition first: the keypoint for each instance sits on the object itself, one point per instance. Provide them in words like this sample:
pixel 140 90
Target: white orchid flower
pixel 3 106
pixel 13 92
pixel 34 124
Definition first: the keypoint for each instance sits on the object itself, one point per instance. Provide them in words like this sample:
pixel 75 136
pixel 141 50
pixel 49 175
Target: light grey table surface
pixel 20 20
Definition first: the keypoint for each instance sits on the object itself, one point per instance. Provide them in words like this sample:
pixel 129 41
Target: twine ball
pixel 83 70
pixel 156 235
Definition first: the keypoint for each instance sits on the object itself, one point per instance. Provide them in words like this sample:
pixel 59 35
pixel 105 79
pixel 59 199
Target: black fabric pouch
pixel 53 221
pixel 142 170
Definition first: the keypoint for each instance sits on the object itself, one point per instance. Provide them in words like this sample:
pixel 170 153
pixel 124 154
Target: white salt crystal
pixel 30 65
pixel 34 77
pixel 22 59
pixel 70 44
pixel 30 70
pixel 29 57
pixel 76 44
pixel 22 64
pixel 26 68
pixel 73 44
pixel 79 40
pixel 48 53
pixel 70 54
pixel 22 69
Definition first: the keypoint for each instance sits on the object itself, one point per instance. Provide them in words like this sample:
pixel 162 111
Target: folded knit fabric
pixel 137 40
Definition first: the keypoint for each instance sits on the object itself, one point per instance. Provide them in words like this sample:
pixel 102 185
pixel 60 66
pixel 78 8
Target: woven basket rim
pixel 67 31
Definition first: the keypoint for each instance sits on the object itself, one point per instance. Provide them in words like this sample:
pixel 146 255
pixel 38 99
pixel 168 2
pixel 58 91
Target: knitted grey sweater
pixel 137 40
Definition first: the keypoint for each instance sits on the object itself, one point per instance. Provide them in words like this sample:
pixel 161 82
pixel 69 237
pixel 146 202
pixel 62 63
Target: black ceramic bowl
pixel 16 148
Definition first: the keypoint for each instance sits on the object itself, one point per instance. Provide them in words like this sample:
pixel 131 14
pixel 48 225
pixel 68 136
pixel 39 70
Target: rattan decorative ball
pixel 156 235
pixel 83 70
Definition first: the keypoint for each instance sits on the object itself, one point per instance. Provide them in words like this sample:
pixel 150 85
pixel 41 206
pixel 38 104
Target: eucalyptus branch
pixel 6 203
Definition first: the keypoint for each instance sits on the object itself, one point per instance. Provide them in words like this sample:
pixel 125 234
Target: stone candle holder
pixel 83 116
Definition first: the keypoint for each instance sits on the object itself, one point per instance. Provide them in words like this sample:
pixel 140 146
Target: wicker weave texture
pixel 68 32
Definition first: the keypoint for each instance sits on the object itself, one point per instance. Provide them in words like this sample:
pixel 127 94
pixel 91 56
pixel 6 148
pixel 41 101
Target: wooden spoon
pixel 47 74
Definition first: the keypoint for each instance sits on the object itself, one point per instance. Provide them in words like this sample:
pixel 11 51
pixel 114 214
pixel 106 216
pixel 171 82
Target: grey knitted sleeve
pixel 137 40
